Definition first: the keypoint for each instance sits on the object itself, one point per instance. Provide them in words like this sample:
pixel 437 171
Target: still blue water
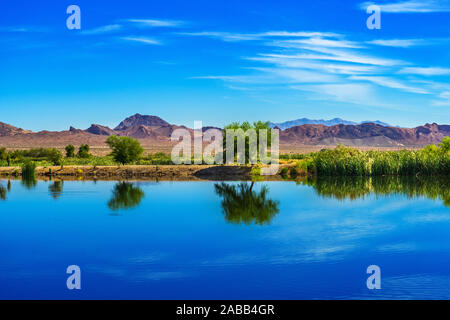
pixel 174 241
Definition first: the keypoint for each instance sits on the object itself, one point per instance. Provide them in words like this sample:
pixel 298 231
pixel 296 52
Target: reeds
pixel 345 161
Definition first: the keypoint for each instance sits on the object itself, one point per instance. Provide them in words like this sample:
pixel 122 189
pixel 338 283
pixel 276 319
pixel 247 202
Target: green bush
pixel 125 149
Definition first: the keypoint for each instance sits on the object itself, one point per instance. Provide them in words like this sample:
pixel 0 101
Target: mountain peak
pixel 138 120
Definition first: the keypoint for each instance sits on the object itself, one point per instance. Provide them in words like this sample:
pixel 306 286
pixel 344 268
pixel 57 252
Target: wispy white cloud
pixel 356 93
pixel 224 36
pixel 401 43
pixel 144 40
pixel 24 29
pixel 233 37
pixel 155 23
pixel 343 56
pixel 429 71
pixel 104 29
pixel 336 68
pixel 411 6
pixel 321 42
pixel 391 83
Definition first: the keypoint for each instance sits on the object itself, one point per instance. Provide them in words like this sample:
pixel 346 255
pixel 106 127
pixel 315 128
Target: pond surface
pixel 233 240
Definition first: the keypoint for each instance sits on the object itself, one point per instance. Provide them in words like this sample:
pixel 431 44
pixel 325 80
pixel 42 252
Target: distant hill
pixel 332 122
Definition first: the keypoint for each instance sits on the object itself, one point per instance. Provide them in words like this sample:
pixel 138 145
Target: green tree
pixel 83 151
pixel 70 151
pixel 445 145
pixel 55 156
pixel 3 153
pixel 125 149
pixel 245 126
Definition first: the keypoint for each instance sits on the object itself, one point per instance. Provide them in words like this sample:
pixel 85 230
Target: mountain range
pixel 332 122
pixel 153 131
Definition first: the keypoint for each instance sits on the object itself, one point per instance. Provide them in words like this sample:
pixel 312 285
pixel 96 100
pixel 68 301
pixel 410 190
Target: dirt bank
pixel 163 172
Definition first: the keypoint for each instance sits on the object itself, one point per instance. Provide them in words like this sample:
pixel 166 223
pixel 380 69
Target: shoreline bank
pixel 164 172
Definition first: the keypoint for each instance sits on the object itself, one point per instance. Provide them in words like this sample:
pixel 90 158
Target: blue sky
pixel 222 61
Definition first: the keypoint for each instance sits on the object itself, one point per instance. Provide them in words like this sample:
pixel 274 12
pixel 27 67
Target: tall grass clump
pixel 28 169
pixel 345 161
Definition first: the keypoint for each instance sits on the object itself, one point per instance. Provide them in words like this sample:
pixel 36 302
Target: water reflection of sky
pixel 176 243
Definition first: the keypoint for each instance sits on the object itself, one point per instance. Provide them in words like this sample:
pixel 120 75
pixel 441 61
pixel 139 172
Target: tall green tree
pixel 83 151
pixel 245 126
pixel 124 149
pixel 55 156
pixel 70 151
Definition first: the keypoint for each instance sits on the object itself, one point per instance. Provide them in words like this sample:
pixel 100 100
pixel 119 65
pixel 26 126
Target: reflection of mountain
pixel 241 204
pixel 56 189
pixel 358 187
pixel 125 196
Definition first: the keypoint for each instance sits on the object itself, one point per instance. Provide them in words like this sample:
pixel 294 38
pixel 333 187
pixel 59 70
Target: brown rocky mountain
pixel 140 120
pixel 100 130
pixel 367 134
pixel 154 131
pixel 8 130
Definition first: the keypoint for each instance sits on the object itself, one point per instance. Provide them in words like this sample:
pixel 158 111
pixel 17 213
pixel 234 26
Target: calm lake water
pixel 207 240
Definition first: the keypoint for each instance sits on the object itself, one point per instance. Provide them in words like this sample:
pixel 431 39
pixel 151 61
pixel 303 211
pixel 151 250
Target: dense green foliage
pixel 83 151
pixel 125 149
pixel 245 126
pixel 70 151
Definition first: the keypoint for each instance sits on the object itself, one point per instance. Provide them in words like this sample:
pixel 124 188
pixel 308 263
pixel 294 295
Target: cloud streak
pixel 143 40
pixel 411 6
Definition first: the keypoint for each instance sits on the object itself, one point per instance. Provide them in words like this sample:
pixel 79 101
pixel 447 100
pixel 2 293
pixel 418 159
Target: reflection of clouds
pixel 148 259
pixel 432 217
pixel 128 273
pixel 416 286
pixel 402 247
pixel 140 268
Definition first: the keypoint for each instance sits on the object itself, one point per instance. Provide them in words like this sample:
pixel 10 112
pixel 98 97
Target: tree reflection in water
pixel 29 182
pixel 3 192
pixel 56 189
pixel 436 188
pixel 125 196
pixel 241 204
